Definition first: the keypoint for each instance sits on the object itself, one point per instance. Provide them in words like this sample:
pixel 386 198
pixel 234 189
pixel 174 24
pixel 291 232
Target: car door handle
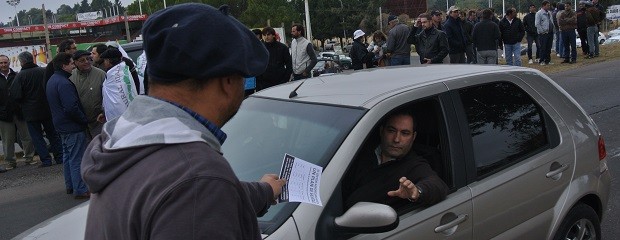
pixel 451 224
pixel 557 171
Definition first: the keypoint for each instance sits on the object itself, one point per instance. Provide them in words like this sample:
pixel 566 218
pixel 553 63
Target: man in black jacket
pixel 529 22
pixel 280 65
pixel 28 91
pixel 512 31
pixel 11 119
pixel 486 37
pixel 392 173
pixel 456 37
pixel 430 43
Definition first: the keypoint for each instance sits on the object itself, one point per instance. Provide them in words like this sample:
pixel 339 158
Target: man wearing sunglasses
pixel 88 81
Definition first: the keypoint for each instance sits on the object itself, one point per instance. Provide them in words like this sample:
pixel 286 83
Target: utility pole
pixel 127 27
pixel 14 3
pixel 47 35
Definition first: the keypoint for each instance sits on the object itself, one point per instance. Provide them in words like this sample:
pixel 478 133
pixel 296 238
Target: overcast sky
pixel 7 10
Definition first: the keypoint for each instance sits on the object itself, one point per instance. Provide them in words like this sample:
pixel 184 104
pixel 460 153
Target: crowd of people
pixel 66 103
pixel 474 36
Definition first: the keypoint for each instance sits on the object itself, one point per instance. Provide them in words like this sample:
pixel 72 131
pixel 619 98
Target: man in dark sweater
pixel 280 65
pixel 456 37
pixel 70 122
pixel 486 38
pixel 28 91
pixel 529 22
pixel 512 31
pixel 391 173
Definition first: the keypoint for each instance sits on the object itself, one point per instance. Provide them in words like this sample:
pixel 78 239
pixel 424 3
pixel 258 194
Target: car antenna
pixel 294 92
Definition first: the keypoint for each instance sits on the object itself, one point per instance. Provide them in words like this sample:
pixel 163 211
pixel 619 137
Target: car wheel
pixel 581 223
pixel 346 67
pixel 602 41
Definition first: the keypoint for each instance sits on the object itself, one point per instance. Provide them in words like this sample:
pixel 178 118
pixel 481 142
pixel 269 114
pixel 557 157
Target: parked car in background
pixel 614 32
pixel 341 59
pixel 347 48
pixel 601 39
pixel 521 158
pixel 326 67
pixel 133 49
pixel 329 45
pixel 612 40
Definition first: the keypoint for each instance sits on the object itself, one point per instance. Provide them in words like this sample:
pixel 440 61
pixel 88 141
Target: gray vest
pixel 299 55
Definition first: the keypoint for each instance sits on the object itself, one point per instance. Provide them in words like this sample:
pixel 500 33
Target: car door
pixel 520 153
pixel 452 217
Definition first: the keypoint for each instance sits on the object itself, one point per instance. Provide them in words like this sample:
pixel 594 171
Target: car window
pixel 505 123
pixel 263 130
pixel 430 143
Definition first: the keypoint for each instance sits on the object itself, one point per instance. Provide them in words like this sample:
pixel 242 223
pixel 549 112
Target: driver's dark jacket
pixel 358 53
pixel 366 181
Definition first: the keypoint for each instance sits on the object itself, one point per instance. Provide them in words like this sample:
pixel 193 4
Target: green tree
pixel 84 7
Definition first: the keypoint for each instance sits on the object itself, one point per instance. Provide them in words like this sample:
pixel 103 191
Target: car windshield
pixel 263 130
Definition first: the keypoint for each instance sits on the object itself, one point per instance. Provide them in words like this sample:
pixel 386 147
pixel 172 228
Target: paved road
pixel 29 195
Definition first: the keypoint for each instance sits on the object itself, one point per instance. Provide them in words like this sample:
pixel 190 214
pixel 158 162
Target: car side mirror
pixel 365 217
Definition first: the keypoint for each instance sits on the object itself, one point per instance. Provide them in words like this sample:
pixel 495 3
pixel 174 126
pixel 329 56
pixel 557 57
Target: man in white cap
pixel 358 51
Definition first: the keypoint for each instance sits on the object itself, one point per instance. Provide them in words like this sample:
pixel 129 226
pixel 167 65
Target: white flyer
pixel 303 180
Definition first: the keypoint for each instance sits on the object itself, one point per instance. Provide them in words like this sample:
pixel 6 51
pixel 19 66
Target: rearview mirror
pixel 365 217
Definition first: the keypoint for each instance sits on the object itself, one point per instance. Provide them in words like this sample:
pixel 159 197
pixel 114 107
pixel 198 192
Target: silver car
pixel 520 156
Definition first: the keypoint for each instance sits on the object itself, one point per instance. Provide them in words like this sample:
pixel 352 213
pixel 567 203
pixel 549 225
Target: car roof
pixel 132 46
pixel 367 87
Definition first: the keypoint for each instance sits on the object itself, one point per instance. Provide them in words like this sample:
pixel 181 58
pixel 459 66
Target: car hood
pixel 70 224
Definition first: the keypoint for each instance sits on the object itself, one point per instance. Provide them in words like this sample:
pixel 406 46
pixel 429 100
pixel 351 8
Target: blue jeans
pixel 396 60
pixel 513 54
pixel 531 40
pixel 593 40
pixel 36 129
pixel 73 148
pixel 569 39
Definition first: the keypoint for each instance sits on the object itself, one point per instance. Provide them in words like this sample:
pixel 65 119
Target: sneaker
pixel 566 61
pixel 543 64
pixel 573 61
pixel 11 166
pixel 530 61
pixel 537 60
pixel 589 57
pixel 558 55
pixel 30 162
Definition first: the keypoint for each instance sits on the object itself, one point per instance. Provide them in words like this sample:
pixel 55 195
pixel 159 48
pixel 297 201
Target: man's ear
pixel 415 134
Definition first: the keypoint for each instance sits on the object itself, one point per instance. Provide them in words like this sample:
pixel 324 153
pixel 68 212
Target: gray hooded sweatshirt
pixel 157 173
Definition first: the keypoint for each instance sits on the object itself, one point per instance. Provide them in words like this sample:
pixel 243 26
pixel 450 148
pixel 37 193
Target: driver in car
pixel 391 173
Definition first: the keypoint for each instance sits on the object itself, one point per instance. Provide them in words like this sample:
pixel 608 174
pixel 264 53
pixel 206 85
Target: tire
pixel 601 41
pixel 346 66
pixel 581 219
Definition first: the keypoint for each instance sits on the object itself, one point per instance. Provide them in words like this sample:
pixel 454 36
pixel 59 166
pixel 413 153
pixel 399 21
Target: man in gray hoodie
pixel 157 171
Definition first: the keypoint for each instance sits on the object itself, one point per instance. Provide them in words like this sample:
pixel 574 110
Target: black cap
pixel 392 18
pixel 435 13
pixel 80 53
pixel 194 40
pixel 111 53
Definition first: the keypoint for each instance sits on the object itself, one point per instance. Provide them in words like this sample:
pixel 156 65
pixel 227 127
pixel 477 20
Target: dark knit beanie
pixel 198 41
